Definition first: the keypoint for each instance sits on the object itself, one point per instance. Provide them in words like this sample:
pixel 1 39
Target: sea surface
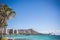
pixel 35 37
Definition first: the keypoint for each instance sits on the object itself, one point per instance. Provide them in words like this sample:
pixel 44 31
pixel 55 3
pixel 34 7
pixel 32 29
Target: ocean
pixel 35 37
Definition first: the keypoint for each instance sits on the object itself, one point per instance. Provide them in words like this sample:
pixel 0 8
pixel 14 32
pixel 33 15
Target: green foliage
pixel 5 13
pixel 3 38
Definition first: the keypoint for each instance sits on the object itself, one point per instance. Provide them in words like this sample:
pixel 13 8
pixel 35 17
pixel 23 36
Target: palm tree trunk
pixel 0 33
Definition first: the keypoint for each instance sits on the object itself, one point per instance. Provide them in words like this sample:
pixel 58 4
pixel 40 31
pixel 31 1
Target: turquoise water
pixel 36 37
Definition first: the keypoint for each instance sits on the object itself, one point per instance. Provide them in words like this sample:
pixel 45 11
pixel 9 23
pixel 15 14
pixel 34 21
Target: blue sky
pixel 40 15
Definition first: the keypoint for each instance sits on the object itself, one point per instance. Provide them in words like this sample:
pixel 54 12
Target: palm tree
pixel 6 13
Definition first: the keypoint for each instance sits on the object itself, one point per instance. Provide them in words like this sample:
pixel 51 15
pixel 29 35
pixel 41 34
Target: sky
pixel 40 15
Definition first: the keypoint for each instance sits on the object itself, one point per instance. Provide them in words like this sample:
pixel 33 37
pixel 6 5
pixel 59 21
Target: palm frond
pixel 11 15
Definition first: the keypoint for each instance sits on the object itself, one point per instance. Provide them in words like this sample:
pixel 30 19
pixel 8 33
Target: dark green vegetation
pixel 6 13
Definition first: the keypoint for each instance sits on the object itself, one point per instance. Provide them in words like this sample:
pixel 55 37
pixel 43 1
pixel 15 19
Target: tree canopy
pixel 6 13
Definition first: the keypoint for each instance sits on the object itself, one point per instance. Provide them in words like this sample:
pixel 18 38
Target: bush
pixel 3 38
